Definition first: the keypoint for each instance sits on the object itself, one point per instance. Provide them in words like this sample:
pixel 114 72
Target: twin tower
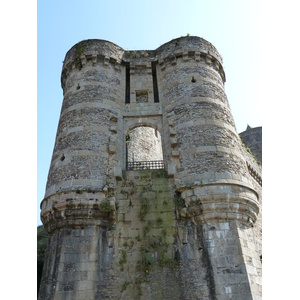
pixel 150 192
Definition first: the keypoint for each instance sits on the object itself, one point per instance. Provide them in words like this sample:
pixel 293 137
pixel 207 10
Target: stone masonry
pixel 190 231
pixel 252 138
pixel 144 144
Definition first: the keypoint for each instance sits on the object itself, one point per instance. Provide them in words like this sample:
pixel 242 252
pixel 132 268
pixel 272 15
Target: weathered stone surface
pixel 191 232
pixel 252 138
pixel 144 144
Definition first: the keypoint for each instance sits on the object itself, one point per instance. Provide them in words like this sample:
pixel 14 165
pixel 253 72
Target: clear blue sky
pixel 232 26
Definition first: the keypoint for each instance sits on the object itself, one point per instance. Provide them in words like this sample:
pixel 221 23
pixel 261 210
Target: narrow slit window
pixel 154 79
pixel 127 88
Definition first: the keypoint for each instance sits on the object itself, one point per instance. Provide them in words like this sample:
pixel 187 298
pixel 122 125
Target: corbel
pixel 185 56
pixel 106 61
pixel 83 60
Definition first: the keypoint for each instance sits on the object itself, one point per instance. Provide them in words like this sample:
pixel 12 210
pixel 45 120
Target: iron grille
pixel 145 165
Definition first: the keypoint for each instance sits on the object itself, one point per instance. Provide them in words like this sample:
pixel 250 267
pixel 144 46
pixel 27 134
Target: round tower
pixel 217 206
pixel 79 203
pixel 84 152
pixel 205 151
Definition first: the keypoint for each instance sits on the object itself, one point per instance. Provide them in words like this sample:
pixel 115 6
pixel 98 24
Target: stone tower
pixel 150 193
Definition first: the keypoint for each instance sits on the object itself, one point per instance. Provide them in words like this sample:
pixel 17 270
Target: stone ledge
pixel 103 104
pixel 95 128
pixel 222 201
pixel 75 186
pixel 76 210
pixel 199 122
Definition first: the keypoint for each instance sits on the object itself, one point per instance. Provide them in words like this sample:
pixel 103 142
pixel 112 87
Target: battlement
pixel 101 51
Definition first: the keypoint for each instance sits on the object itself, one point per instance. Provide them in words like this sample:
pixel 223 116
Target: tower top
pixel 101 49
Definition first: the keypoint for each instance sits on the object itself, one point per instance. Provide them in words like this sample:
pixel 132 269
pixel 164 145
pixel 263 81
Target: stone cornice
pixel 77 209
pixel 223 201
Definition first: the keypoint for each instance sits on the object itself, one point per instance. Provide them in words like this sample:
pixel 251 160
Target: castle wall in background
pixel 252 138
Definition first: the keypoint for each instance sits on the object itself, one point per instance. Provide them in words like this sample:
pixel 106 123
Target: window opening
pixel 154 79
pixel 144 149
pixel 127 87
pixel 141 96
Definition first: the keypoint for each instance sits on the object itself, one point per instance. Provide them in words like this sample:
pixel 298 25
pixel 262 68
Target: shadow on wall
pixel 42 240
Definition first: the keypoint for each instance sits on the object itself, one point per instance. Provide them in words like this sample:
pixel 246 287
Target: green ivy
pixel 80 47
pixel 105 206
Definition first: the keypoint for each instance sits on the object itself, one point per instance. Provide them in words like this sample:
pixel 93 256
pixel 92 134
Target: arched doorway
pixel 144 149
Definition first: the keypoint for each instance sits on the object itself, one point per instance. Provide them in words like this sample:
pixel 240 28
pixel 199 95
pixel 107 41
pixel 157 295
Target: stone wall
pixel 252 138
pixel 150 253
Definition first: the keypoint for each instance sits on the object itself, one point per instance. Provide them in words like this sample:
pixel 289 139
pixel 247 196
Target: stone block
pixel 185 56
pixel 118 173
pixel 224 226
pixel 174 142
pixel 111 148
pixel 175 153
pixel 171 170
pixel 172 132
pixel 113 129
